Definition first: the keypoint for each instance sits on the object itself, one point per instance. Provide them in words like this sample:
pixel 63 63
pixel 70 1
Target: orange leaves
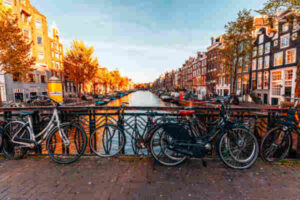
pixel 15 57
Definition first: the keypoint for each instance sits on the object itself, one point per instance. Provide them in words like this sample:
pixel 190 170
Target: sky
pixel 142 38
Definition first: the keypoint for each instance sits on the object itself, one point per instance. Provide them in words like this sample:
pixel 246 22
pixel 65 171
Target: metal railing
pixel 135 118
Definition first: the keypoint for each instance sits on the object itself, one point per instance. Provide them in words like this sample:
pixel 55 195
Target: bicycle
pixel 277 142
pixel 65 142
pixel 237 147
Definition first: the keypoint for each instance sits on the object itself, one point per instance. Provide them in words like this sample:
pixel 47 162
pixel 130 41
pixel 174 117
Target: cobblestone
pixel 40 178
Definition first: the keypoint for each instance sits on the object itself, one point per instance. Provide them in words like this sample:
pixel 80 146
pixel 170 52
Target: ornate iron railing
pixel 137 119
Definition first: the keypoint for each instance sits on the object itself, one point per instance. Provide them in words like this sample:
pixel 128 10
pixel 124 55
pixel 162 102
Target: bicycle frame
pixel 54 122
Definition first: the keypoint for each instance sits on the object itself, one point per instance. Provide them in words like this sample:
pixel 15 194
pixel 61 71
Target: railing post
pixel 92 126
pixel 37 128
pixel 121 126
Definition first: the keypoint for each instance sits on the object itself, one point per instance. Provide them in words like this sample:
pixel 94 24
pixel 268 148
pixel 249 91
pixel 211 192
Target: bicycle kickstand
pixel 204 163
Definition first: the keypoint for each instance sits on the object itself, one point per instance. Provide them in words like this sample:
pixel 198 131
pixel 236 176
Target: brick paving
pixel 95 178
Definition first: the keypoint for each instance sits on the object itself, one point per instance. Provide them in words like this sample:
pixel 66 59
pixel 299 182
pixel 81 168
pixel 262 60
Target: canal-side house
pixel 189 75
pixel 284 59
pixel 34 27
pixel 196 72
pixel 260 68
pixel 213 60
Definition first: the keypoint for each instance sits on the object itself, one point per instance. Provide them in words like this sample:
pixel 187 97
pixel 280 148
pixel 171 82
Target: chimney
pixel 212 40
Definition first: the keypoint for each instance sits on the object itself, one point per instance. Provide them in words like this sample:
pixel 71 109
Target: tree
pixel 15 57
pixel 272 7
pixel 237 45
pixel 79 64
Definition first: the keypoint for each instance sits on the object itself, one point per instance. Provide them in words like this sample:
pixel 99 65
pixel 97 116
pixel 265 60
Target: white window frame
pixel 295 53
pixel 281 52
pixel 267 47
pixel 285 26
pixel 253 64
pixel 267 62
pixel 284 37
pixel 260 63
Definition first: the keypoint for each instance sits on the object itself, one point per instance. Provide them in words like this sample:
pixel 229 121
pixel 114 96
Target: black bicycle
pixel 171 144
pixel 277 142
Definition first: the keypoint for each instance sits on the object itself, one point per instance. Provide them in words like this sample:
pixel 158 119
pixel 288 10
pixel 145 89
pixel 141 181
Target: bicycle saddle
pixel 186 112
pixel 24 113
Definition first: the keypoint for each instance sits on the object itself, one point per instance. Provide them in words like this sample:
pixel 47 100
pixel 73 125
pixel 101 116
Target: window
pixel 254 64
pixel 51 44
pixel 26 34
pixel 294 36
pixel 266 80
pixel 31 78
pixel 254 52
pixel 246 68
pixel 261 39
pixel 276 83
pixel 38 24
pixel 259 80
pixel 239 83
pixel 275 43
pixel 288 77
pixel 295 24
pixel 290 56
pixel 57 65
pixel 260 50
pixel 53 63
pixel 260 63
pixel 285 27
pixel 39 40
pixel 285 41
pixel 23 2
pixel 267 47
pixel 52 54
pixel 267 62
pixel 56 46
pixel 253 80
pixel 7 2
pixel 278 59
pixel 41 55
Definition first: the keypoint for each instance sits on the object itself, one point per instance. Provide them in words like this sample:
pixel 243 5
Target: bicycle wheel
pixel 107 140
pixel 275 145
pixel 161 150
pixel 11 150
pixel 238 148
pixel 66 153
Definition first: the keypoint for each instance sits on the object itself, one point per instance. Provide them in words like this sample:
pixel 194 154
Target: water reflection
pixel 141 98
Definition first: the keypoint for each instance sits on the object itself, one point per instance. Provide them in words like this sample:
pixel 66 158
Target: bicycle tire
pixel 10 150
pixel 266 149
pixel 162 156
pixel 66 154
pixel 229 158
pixel 110 136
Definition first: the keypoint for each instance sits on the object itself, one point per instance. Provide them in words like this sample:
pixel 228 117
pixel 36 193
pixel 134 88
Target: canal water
pixel 133 126
pixel 141 98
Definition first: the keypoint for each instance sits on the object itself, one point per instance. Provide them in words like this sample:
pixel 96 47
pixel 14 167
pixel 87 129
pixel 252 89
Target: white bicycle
pixel 65 142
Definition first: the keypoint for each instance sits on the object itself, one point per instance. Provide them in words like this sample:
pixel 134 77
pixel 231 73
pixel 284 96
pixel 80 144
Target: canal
pixel 141 98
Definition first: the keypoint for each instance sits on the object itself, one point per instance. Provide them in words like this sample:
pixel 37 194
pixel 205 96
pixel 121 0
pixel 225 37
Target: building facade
pixel 34 27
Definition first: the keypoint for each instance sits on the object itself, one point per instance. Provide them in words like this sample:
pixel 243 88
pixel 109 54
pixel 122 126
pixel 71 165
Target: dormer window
pixel 23 2
pixel 285 27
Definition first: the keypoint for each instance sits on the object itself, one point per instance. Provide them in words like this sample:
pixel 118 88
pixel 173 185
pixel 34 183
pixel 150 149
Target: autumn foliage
pixel 15 57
